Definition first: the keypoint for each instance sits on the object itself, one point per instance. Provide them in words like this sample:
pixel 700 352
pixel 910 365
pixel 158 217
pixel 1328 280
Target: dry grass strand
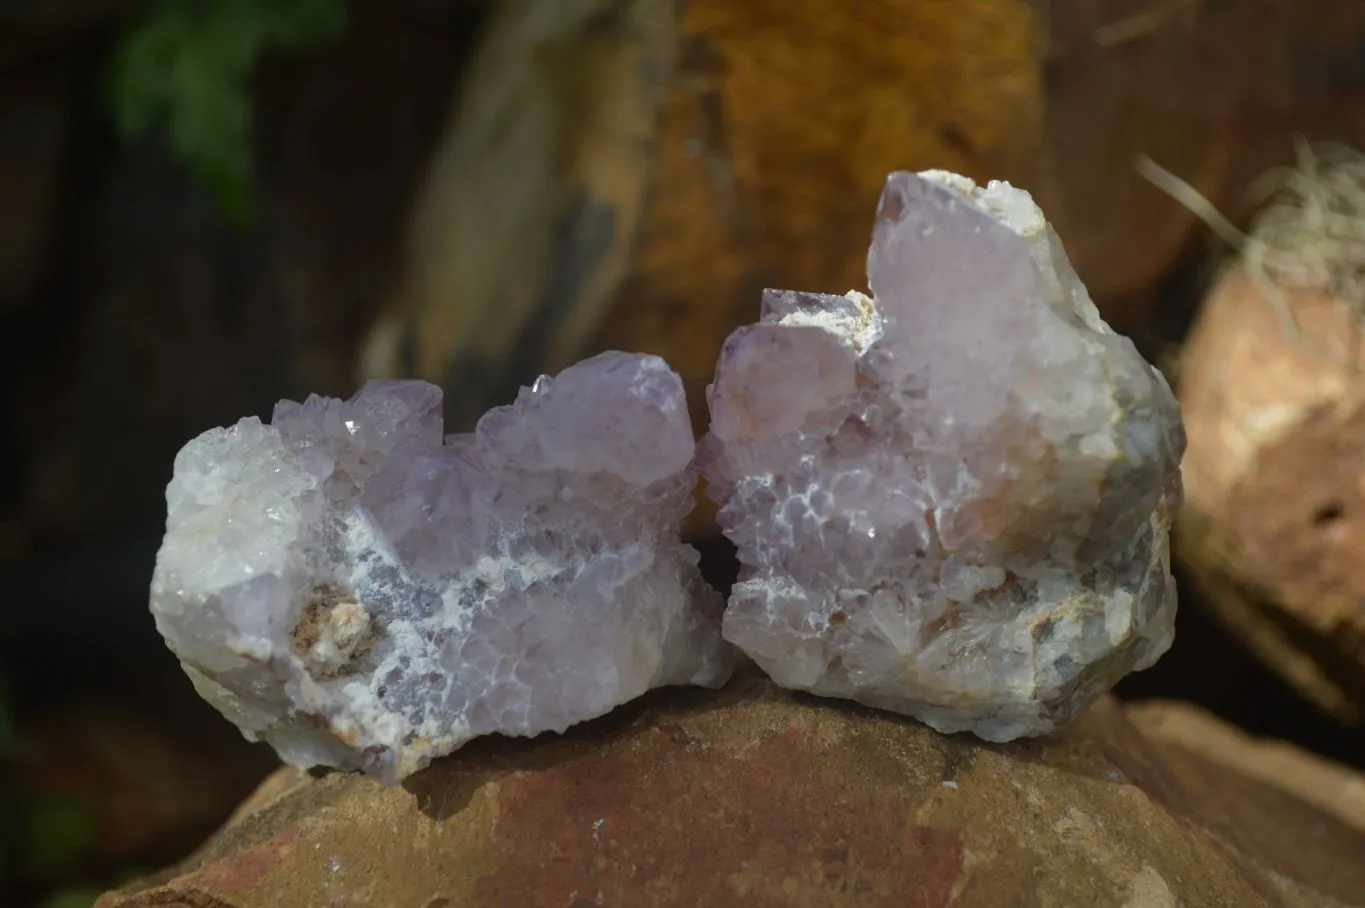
pixel 1309 233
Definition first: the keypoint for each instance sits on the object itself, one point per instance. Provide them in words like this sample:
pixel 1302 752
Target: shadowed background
pixel 266 200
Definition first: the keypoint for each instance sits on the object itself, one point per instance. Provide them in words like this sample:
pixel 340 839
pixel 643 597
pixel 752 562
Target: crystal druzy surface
pixel 359 592
pixel 952 498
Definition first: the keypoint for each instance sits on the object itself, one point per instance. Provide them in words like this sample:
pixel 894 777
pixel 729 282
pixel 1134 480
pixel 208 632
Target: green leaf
pixel 72 898
pixel 57 834
pixel 184 67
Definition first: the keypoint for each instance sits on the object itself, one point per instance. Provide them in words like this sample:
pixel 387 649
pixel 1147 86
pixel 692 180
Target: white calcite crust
pixel 951 499
pixel 359 592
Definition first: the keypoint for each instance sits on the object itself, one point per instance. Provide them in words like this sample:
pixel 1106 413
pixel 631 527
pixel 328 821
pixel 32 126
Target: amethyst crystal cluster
pixel 359 592
pixel 951 499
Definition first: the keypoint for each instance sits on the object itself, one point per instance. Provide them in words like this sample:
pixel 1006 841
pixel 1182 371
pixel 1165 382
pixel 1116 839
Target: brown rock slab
pixel 751 796
pixel 1234 783
pixel 1273 531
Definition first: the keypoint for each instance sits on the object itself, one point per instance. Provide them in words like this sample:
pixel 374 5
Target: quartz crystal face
pixel 361 593
pixel 951 498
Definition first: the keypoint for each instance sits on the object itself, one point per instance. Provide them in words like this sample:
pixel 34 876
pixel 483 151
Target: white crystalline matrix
pixel 359 592
pixel 952 498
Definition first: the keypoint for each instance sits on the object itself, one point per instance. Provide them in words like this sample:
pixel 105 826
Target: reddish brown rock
pixel 1273 531
pixel 1329 793
pixel 751 796
pixel 1303 814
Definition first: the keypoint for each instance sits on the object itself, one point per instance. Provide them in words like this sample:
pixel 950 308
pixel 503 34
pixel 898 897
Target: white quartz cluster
pixel 360 592
pixel 951 499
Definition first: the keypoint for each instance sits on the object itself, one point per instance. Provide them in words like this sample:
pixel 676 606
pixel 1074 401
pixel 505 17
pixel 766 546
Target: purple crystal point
pixel 360 593
pixel 951 499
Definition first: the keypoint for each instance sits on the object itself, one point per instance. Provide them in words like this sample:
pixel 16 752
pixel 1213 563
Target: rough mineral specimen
pixel 349 587
pixel 951 499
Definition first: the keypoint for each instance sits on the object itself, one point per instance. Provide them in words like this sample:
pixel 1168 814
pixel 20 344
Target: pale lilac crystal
pixel 359 592
pixel 951 499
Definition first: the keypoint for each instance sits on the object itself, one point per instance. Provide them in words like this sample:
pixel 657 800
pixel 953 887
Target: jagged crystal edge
pixel 952 498
pixel 361 593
